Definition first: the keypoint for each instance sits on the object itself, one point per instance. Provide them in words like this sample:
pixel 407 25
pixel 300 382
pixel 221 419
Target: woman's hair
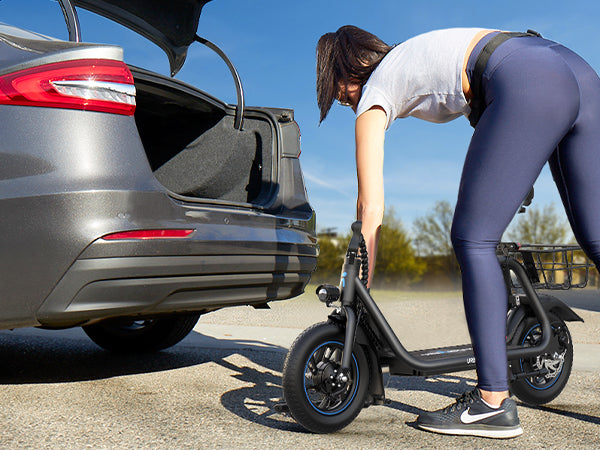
pixel 349 54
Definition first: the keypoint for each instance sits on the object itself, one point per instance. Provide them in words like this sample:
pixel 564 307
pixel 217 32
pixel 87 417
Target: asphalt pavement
pixel 218 388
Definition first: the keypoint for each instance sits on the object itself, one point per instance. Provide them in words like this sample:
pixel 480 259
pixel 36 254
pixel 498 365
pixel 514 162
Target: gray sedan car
pixel 131 202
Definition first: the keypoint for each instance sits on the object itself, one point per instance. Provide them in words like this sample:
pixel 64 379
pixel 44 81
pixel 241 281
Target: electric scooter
pixel 334 368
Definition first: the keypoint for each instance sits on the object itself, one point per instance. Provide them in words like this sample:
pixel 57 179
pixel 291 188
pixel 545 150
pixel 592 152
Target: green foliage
pixel 433 241
pixel 540 226
pixel 434 264
pixel 433 230
pixel 331 257
pixel 397 264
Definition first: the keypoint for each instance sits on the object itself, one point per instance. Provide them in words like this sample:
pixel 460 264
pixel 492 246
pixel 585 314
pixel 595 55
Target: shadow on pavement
pixel 29 358
pixel 450 386
pixel 561 412
pixel 42 356
pixel 256 403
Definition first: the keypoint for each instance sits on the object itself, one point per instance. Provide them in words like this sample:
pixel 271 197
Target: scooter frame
pixel 365 325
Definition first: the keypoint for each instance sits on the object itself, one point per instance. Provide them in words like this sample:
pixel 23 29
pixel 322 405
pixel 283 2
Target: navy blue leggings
pixel 543 105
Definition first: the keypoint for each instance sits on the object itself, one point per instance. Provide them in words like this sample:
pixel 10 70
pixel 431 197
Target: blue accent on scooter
pixel 521 364
pixel 348 403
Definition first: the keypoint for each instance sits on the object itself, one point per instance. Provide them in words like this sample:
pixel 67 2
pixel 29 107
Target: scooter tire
pixel 309 364
pixel 538 390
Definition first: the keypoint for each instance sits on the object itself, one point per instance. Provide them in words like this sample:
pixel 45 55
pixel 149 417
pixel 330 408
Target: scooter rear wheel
pixel 556 362
pixel 315 399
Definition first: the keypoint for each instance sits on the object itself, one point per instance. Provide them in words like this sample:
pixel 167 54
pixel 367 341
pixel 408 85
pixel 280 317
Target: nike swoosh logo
pixel 466 417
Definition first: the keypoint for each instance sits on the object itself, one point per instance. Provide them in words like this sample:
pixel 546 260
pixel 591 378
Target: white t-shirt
pixel 421 77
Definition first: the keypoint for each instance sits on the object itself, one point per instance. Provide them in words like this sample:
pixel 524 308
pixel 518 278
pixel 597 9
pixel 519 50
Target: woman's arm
pixel 370 133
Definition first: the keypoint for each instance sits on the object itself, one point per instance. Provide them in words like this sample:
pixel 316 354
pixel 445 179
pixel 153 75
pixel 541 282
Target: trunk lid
pixel 171 24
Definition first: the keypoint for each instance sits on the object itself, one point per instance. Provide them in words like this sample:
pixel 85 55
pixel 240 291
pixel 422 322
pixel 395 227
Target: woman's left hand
pixel 370 134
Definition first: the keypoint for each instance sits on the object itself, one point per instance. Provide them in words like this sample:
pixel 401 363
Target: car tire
pixel 131 335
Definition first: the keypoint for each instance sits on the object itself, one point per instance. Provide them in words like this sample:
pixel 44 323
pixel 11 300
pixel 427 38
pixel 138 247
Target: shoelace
pixel 465 399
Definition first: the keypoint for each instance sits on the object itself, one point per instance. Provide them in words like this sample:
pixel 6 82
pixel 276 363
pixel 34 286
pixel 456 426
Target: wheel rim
pixel 128 326
pixel 553 363
pixel 323 395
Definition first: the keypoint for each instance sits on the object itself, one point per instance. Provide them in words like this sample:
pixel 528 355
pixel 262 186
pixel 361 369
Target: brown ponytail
pixel 349 54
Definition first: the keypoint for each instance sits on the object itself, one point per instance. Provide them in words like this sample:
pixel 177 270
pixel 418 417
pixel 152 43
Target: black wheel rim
pixel 325 396
pixel 552 363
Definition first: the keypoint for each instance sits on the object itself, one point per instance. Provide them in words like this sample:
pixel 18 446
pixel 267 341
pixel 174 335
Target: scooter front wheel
pixel 316 396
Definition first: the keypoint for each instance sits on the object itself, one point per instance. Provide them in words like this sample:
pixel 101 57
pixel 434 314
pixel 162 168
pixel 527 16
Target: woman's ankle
pixel 492 398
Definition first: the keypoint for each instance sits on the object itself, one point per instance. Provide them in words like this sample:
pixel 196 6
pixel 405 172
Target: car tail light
pixel 148 234
pixel 88 84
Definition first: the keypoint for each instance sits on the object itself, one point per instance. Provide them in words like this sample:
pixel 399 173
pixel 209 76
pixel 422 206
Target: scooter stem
pixel 350 334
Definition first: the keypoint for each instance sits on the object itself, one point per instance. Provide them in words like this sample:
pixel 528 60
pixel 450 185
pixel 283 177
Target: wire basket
pixel 557 267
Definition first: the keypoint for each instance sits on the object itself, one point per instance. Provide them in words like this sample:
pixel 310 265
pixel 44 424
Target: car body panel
pixel 22 49
pixel 64 200
pixel 70 177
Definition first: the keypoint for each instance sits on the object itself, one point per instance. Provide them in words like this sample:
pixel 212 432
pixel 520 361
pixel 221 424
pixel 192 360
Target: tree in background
pixel 397 263
pixel 332 249
pixel 433 230
pixel 433 240
pixel 544 225
pixel 434 262
pixel 540 226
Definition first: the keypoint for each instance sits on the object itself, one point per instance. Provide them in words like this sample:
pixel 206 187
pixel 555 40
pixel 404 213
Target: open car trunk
pixel 170 25
pixel 193 148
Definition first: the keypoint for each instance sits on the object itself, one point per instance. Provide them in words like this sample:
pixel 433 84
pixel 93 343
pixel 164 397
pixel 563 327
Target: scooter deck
pixel 460 352
pixel 434 354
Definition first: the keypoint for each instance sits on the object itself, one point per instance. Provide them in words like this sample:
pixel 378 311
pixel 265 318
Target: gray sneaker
pixel 469 415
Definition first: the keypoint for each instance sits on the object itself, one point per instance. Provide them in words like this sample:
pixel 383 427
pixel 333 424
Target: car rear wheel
pixel 132 335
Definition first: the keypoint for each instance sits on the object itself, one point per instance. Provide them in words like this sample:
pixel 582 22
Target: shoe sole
pixel 489 433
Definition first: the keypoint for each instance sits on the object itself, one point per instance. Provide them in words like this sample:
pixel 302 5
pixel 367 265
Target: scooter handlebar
pixel 355 240
pixel 356 227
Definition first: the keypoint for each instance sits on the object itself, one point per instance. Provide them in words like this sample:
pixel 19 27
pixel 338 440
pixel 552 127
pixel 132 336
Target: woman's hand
pixel 370 133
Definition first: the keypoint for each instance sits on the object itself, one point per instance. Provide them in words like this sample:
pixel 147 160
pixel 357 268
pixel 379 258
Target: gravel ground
pixel 58 390
pixel 67 394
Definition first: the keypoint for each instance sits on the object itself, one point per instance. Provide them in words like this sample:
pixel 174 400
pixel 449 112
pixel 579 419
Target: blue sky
pixel 272 43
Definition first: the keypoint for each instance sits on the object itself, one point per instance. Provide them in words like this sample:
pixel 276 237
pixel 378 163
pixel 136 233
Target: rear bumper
pixel 235 256
pixel 99 288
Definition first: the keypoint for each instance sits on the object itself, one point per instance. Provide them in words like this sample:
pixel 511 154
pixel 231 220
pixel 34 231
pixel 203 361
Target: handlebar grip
pixel 357 227
pixel 355 240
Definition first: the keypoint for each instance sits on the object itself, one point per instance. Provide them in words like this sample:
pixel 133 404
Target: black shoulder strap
pixel 481 63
